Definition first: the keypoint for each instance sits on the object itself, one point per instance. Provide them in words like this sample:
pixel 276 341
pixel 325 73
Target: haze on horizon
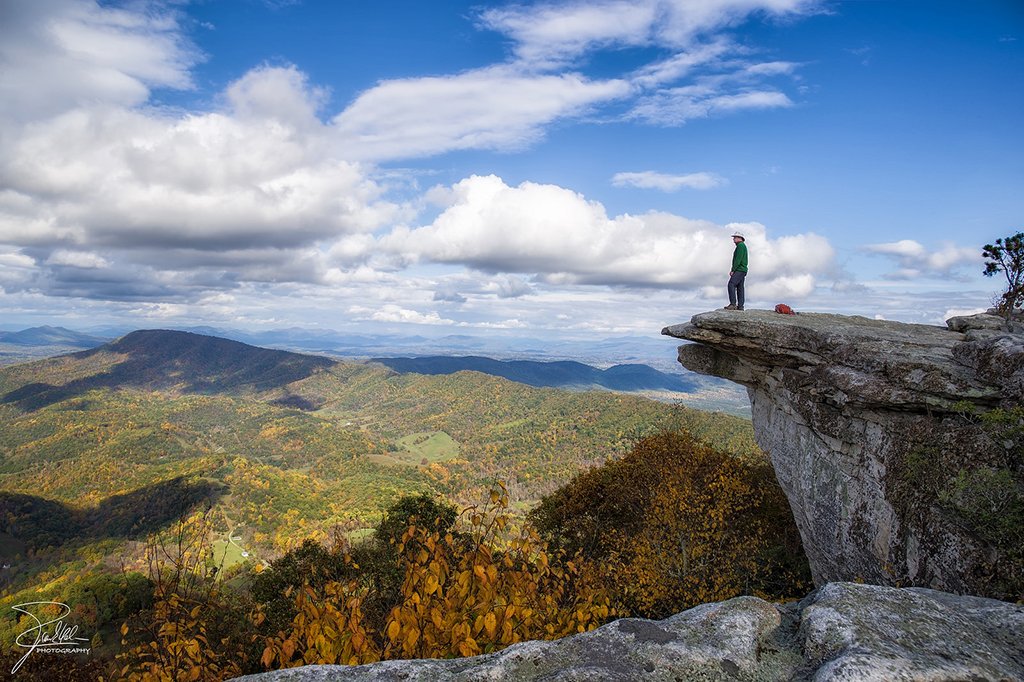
pixel 540 168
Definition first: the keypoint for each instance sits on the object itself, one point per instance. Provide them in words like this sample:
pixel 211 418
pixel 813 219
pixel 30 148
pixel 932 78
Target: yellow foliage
pixel 462 595
pixel 675 524
pixel 175 640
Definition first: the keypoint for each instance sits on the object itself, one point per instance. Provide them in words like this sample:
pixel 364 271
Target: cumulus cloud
pixel 668 183
pixel 961 312
pixel 449 295
pixel 250 191
pixel 916 260
pixel 106 197
pixel 507 286
pixel 283 94
pixel 564 238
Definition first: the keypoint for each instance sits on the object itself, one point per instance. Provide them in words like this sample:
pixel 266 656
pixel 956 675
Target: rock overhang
pixel 874 362
pixel 853 412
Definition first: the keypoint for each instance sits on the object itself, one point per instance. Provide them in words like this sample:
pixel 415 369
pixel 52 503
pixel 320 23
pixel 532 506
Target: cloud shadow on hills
pixel 38 522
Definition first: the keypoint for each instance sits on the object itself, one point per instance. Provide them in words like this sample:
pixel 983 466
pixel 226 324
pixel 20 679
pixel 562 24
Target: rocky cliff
pixel 873 430
pixel 843 631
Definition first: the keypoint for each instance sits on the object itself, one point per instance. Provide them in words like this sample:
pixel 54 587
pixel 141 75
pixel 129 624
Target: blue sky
pixel 537 168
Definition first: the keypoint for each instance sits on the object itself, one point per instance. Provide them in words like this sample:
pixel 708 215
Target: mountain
pixel 101 449
pixel 562 374
pixel 166 360
pixel 51 336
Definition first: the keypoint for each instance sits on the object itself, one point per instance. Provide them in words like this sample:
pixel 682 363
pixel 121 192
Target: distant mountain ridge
pixel 560 374
pixel 51 336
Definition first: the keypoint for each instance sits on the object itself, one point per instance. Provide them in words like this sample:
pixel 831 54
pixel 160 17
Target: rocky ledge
pixel 868 424
pixel 843 631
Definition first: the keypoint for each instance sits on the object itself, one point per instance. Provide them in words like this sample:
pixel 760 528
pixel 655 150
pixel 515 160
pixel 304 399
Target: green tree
pixel 1007 256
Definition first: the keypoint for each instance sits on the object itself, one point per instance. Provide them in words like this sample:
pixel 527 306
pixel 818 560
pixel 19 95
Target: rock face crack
pixel 842 404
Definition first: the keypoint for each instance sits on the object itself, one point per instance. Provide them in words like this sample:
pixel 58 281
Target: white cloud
pixel 160 311
pixel 679 105
pixel 562 237
pixel 283 94
pixel 551 33
pixel 916 260
pixel 682 64
pixel 251 193
pixel 491 108
pixel 962 312
pixel 668 183
pixel 262 205
pixel 62 53
pixel 78 259
pixel 905 248
pixel 395 313
pixel 15 259
pixel 507 286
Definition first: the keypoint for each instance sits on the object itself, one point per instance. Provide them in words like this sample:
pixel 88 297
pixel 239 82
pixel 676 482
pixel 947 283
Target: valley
pixel 103 448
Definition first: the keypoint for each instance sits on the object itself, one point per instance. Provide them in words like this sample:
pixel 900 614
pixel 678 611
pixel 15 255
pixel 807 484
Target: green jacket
pixel 739 258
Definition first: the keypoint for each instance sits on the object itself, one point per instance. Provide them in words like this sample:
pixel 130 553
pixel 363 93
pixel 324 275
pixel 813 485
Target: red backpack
pixel 784 309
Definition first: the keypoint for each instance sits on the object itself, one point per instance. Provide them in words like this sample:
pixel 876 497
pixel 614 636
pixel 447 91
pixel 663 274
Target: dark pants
pixel 736 289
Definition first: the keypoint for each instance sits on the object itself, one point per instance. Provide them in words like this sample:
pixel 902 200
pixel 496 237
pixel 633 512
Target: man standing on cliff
pixel 738 272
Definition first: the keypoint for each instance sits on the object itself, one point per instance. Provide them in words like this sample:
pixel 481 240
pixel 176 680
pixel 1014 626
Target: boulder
pixel 843 631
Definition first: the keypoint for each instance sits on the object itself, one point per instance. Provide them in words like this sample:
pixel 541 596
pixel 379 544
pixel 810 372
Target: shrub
pixel 676 523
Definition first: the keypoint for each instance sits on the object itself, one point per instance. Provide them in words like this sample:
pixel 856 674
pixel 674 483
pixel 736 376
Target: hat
pixel 740 235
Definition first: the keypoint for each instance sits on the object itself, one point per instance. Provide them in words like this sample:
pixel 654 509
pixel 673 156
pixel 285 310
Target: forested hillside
pixel 101 449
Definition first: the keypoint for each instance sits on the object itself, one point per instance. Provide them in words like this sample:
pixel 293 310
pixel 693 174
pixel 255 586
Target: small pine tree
pixel 1007 256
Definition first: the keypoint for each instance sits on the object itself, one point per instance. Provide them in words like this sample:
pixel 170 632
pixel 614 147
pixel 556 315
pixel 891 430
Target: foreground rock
pixel 865 424
pixel 844 631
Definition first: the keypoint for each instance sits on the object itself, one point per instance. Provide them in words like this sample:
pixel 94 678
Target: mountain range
pixel 51 336
pixel 151 348
pixel 560 374
pixel 654 350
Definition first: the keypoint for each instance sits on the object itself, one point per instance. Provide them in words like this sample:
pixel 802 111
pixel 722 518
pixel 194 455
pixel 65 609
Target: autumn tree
pixel 677 523
pixel 1007 256
pixel 374 564
pixel 193 631
pixel 462 593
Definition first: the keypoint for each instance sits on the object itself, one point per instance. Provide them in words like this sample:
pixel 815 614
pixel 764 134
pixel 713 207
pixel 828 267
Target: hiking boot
pixel 731 306
pixel 739 307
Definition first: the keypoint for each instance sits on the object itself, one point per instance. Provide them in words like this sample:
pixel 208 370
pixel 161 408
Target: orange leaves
pixel 185 635
pixel 490 625
pixel 393 630
pixel 462 594
pixel 676 523
pixel 327 628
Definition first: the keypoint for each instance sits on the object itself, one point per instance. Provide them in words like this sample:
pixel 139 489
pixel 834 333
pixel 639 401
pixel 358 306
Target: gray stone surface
pixel 842 404
pixel 841 632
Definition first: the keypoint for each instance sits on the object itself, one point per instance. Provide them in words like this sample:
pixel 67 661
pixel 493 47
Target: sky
pixel 557 168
